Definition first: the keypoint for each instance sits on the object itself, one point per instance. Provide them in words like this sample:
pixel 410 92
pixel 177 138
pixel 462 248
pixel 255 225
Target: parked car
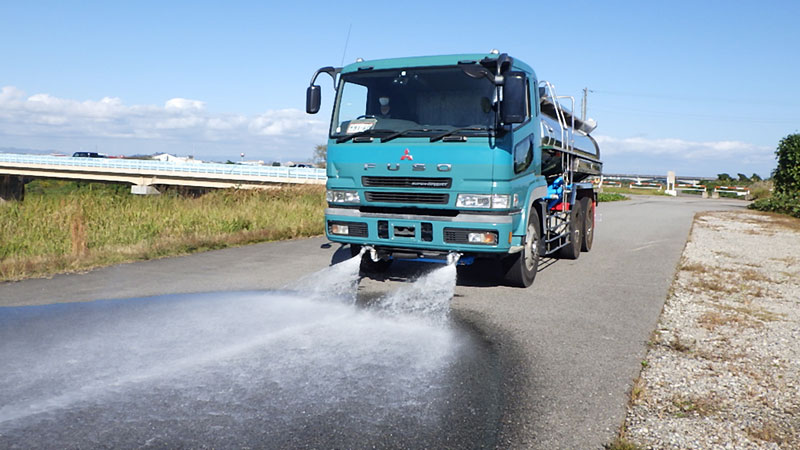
pixel 88 155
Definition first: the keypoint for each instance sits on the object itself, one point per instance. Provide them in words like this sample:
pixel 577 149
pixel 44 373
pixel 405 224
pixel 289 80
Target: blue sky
pixel 696 87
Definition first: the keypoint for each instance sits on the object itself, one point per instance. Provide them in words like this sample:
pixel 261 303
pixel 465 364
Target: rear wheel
pixel 588 208
pixel 573 249
pixel 520 269
pixel 367 264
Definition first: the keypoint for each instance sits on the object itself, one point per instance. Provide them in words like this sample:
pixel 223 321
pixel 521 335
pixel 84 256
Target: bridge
pixel 143 175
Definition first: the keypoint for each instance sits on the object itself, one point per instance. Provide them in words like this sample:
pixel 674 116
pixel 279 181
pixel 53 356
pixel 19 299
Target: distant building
pixel 166 157
pixel 252 163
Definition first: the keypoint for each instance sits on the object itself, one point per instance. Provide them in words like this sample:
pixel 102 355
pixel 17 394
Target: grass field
pixel 69 226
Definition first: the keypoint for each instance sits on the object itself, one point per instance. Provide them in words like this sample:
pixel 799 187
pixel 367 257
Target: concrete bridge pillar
pixel 12 187
pixel 146 189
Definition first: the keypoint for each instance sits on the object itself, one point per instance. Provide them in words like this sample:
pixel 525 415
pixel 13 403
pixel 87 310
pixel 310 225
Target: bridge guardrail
pixel 171 167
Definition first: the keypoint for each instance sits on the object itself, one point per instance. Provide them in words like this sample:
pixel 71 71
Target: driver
pixel 385 107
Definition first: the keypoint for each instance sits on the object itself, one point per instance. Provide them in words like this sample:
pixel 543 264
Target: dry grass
pixel 697 268
pixel 620 443
pixel 790 261
pixel 781 220
pixel 768 431
pixel 714 285
pixel 638 391
pixel 85 228
pixel 710 320
pixel 695 405
pixel 755 312
pixel 679 345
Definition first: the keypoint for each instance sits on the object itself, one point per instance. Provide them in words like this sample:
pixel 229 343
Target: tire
pixel 573 249
pixel 588 208
pixel 520 269
pixel 367 264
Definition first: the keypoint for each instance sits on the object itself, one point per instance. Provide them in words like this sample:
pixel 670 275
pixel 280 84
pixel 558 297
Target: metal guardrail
pixel 167 167
pixel 738 190
pixel 646 186
pixel 690 187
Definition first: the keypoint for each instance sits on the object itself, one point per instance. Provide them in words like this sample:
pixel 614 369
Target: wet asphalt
pixel 564 352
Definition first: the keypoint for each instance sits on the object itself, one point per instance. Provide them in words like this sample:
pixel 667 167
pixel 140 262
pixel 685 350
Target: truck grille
pixel 407 197
pixel 415 182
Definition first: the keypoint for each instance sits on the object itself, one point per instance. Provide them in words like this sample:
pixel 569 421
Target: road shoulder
pixel 723 367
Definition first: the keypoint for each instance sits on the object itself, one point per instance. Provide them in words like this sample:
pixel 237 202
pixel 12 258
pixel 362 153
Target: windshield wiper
pixel 405 132
pixel 360 133
pixel 439 137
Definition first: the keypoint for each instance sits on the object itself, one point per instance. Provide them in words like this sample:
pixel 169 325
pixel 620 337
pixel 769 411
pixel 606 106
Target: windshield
pixel 418 102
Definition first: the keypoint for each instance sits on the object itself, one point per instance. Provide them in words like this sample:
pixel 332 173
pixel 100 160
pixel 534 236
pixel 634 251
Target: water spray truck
pixel 456 157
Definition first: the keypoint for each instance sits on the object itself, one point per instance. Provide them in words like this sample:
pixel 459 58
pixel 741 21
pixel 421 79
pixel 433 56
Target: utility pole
pixel 583 103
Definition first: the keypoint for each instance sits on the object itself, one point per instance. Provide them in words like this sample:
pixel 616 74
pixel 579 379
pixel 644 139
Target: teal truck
pixel 456 157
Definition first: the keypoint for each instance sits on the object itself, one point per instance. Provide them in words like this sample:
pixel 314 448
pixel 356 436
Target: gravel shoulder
pixel 723 366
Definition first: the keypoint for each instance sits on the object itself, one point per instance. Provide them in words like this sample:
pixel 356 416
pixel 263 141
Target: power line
pixel 737 100
pixel 701 116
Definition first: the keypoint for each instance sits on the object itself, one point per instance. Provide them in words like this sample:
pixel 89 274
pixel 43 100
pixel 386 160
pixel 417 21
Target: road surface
pixel 569 347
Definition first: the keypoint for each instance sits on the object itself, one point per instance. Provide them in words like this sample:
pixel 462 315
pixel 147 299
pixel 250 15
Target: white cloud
pixel 643 155
pixel 677 147
pixel 180 120
pixel 184 104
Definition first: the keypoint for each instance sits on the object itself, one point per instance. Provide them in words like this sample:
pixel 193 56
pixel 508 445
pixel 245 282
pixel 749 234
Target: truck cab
pixel 455 157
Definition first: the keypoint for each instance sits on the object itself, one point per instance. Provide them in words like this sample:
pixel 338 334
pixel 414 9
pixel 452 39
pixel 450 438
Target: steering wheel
pixel 366 116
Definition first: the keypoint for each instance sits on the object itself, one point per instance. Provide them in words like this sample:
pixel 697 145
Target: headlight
pixel 342 196
pixel 494 201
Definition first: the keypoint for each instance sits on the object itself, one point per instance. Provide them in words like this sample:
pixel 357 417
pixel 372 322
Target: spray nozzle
pixel 453 257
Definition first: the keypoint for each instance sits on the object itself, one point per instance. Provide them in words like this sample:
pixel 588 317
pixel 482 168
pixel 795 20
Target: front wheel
pixel 520 269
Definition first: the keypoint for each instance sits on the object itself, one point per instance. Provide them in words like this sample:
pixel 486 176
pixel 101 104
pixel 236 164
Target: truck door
pixel 526 160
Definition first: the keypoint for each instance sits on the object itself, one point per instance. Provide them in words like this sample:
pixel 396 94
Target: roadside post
pixel 671 184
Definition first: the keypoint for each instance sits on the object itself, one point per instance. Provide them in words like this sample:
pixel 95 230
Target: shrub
pixel 610 197
pixel 786 196
pixel 787 174
pixel 779 203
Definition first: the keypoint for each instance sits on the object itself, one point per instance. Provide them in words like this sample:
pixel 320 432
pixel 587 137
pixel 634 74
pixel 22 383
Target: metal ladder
pixel 556 224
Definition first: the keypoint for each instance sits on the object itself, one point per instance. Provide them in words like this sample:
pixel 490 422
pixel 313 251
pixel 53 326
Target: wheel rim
pixel 532 247
pixel 589 225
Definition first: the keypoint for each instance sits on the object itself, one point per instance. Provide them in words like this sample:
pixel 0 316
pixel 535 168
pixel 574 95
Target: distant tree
pixel 787 174
pixel 743 178
pixel 229 162
pixel 724 177
pixel 755 178
pixel 320 155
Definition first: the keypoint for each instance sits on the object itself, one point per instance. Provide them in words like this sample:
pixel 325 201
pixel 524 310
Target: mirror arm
pixel 332 71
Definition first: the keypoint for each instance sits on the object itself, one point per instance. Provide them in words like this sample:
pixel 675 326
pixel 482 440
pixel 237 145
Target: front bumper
pixel 424 232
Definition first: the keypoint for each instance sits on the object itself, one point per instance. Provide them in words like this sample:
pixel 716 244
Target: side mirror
pixel 313 99
pixel 514 108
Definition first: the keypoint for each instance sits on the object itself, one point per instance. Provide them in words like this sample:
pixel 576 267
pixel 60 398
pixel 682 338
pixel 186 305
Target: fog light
pixel 339 229
pixel 482 238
